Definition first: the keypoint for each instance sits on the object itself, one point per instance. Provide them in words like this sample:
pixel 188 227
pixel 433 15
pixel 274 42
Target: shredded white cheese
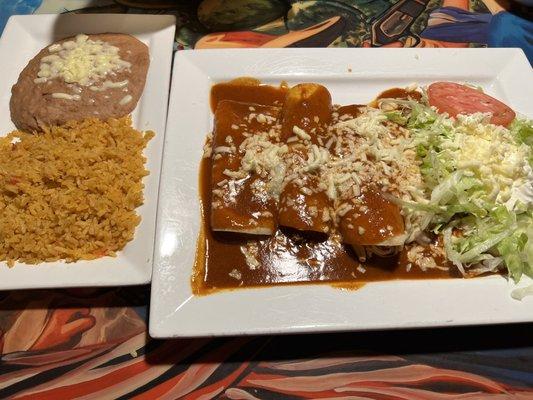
pixel 82 61
pixel 301 133
pixel 66 96
pixel 125 100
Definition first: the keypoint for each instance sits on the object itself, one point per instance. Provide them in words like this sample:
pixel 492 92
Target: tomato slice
pixel 454 99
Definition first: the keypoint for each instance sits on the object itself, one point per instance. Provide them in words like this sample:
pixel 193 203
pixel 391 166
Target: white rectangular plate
pixel 176 312
pixel 22 39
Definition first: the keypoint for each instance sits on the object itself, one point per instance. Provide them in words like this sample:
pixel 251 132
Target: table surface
pixel 93 343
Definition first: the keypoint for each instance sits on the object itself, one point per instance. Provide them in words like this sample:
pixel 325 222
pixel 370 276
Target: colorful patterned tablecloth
pixel 93 343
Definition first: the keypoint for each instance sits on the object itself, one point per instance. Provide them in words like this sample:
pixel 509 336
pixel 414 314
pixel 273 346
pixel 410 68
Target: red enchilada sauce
pixel 289 255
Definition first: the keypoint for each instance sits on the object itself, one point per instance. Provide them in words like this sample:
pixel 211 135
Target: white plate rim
pixel 176 312
pixel 158 32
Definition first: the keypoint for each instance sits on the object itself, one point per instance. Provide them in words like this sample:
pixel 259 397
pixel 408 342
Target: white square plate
pixel 22 39
pixel 176 312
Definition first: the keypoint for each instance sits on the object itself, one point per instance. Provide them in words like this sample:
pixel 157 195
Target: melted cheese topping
pixel 82 61
pixel 355 153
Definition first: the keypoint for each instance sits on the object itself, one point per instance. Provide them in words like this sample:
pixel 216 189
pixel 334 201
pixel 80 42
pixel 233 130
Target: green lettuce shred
pixel 475 228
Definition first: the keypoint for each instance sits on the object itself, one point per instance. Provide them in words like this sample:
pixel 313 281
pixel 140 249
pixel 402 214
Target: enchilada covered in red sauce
pixel 295 189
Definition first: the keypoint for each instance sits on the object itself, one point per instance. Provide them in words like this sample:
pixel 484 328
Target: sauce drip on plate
pixel 230 257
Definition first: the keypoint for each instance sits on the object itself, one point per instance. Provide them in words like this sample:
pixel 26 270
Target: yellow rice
pixel 71 192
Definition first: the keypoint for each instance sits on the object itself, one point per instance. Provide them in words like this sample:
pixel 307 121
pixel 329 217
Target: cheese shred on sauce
pixel 356 152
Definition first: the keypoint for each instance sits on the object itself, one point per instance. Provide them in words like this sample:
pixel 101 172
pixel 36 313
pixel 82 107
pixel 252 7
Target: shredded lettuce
pixel 523 131
pixel 397 117
pixel 470 202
